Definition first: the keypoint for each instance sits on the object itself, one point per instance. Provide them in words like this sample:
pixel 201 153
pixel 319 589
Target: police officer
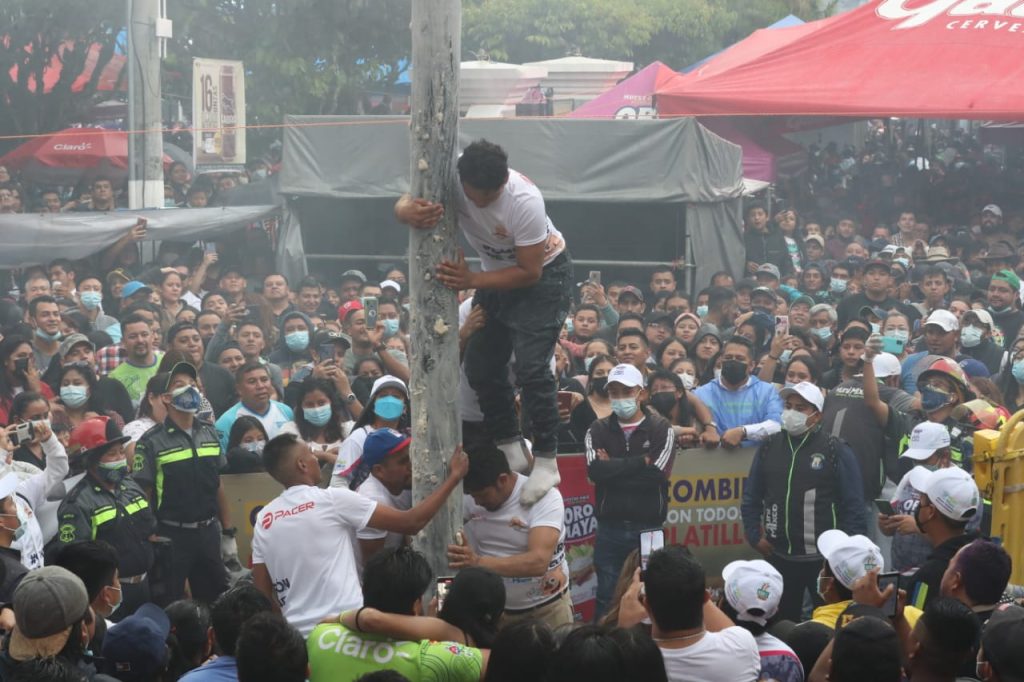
pixel 178 463
pixel 106 504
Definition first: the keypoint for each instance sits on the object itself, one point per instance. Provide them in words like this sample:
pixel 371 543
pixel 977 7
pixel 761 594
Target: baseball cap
pixel 626 375
pixel 944 319
pixel 664 318
pixel 877 263
pixel 630 289
pixel 381 443
pixel 754 589
pixel 8 483
pixel 349 307
pixel 975 368
pixel 47 602
pixel 354 274
pixel 983 317
pixel 327 336
pixel 953 492
pixel 181 368
pixel 993 209
pixel 135 287
pixel 886 365
pixel 135 649
pixel 1001 641
pixel 799 298
pixel 388 381
pixel 96 435
pixel 888 249
pixel 391 283
pixel 807 391
pixel 926 439
pixel 849 556
pixel 871 310
pixel 815 238
pixel 1009 277
pixel 72 340
pixel 768 269
pixel 764 290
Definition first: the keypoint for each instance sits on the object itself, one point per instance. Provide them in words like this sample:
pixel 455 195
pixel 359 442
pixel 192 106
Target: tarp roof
pixel 785 22
pixel 923 59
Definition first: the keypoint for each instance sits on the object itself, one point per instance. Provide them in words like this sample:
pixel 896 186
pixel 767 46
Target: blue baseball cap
pixel 381 443
pixel 135 649
pixel 135 287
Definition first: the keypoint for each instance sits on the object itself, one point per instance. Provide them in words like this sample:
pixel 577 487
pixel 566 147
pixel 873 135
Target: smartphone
pixel 23 433
pixel 884 507
pixel 564 400
pixel 444 584
pixel 781 325
pixel 370 304
pixel 21 366
pixel 595 277
pixel 650 541
pixel 325 351
pixel 892 345
pixel 884 580
pixel 209 247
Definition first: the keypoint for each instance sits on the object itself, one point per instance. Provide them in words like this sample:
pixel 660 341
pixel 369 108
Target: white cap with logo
pixel 626 375
pixel 754 589
pixel 807 391
pixel 925 439
pixel 953 492
pixel 849 556
pixel 944 319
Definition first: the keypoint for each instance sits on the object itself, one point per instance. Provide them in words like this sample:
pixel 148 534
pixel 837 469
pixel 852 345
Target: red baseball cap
pixel 349 307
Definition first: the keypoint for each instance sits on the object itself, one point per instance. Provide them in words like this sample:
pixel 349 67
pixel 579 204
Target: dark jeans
pixel 797 576
pixel 526 322
pixel 196 559
pixel 612 546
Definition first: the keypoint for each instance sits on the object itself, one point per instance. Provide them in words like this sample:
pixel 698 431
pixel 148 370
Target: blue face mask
pixel 317 416
pixel 837 286
pixel 823 333
pixel 932 399
pixel 114 332
pixel 297 341
pixel 391 327
pixel 569 327
pixel 74 396
pixel 905 262
pixel 389 407
pixel 91 299
pixel 47 337
pixel 702 311
pixel 1018 371
pixel 970 336
pixel 187 399
pixel 624 408
pixel 876 328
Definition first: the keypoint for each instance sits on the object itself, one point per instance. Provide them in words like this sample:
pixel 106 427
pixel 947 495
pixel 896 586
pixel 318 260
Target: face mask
pixel 689 381
pixel 587 362
pixel 389 407
pixel 319 416
pixel 399 355
pixel 823 333
pixel 734 372
pixel 390 328
pixel 837 286
pixel 794 423
pixel 91 299
pixel 256 446
pixel 114 332
pixel 784 356
pixel 113 472
pixel 1018 371
pixel 186 399
pixel 970 337
pixel 74 396
pixel 702 311
pixel 933 399
pixel 1000 311
pixel 569 327
pixel 917 520
pixel 876 328
pixel 600 386
pixel 47 337
pixel 664 402
pixel 905 262
pixel 898 334
pixel 120 600
pixel 19 532
pixel 297 341
pixel 821 585
pixel 624 408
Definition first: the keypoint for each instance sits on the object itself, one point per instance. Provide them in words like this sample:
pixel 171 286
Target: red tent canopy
pixel 108 80
pixel 911 58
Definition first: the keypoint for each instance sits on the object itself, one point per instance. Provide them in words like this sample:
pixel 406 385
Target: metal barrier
pixel 999 473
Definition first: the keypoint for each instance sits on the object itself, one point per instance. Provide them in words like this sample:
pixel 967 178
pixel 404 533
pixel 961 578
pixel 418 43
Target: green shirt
pixel 134 379
pixel 337 653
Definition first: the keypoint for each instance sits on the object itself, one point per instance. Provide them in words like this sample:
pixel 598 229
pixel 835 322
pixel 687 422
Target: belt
pixel 546 602
pixel 132 580
pixel 190 526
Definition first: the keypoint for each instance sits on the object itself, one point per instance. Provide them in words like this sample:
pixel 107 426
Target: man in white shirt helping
pixel 524 545
pixel 386 453
pixel 303 546
pixel 524 289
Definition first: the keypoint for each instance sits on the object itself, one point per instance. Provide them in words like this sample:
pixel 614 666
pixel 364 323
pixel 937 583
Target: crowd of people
pixel 858 360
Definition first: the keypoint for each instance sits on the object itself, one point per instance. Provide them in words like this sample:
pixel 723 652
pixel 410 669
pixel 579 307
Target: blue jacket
pixel 754 403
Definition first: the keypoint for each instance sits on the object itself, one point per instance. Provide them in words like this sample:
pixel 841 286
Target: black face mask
pixel 663 403
pixel 600 386
pixel 917 520
pixel 734 372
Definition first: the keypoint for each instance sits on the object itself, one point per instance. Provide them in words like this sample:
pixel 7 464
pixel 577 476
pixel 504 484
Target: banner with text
pixel 218 112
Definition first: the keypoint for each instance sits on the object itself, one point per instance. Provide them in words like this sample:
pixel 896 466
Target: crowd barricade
pixel 999 473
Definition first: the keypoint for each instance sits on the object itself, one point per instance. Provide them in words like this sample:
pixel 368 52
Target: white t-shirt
pixel 727 656
pixel 375 490
pixel 516 218
pixel 505 532
pixel 306 537
pixel 349 454
pixel 469 404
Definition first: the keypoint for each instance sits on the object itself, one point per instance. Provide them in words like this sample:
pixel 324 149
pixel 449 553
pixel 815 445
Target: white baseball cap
pixel 807 391
pixel 8 483
pixel 953 492
pixel 983 316
pixel 388 381
pixel 993 209
pixel 886 365
pixel 626 375
pixel 754 589
pixel 849 556
pixel 925 439
pixel 944 319
pixel 391 283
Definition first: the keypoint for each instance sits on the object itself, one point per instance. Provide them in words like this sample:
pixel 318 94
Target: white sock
pixel 517 455
pixel 543 478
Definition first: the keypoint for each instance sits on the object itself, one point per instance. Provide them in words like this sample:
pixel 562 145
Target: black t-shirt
pixel 925 585
pixel 23 454
pixel 11 573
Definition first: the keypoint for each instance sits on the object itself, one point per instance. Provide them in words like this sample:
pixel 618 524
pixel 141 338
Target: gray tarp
pixel 597 177
pixel 26 239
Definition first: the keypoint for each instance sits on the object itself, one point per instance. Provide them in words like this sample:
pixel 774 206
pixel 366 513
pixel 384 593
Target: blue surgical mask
pixel 1018 371
pixel 389 407
pixel 823 333
pixel 317 416
pixel 74 396
pixel 48 337
pixel 702 311
pixel 297 341
pixel 390 328
pixel 624 408
pixel 838 286
pixel 970 336
pixel 876 328
pixel 569 327
pixel 114 332
pixel 932 399
pixel 113 472
pixel 91 299
pixel 898 334
pixel 905 262
pixel 186 399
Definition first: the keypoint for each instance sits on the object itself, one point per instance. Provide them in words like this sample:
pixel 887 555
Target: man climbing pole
pixel 524 289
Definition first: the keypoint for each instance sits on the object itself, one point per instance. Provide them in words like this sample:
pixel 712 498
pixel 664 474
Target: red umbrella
pixel 70 155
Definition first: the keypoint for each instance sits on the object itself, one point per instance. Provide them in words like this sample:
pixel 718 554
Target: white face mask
pixel 794 423
pixel 689 381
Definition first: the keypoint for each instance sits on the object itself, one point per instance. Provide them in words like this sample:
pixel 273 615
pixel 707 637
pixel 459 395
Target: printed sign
pixel 218 112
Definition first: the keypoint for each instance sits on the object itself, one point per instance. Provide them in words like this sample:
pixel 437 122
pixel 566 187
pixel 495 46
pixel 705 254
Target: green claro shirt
pixel 337 653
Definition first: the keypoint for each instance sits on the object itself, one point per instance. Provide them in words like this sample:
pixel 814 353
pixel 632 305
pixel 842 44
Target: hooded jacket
pixel 283 356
